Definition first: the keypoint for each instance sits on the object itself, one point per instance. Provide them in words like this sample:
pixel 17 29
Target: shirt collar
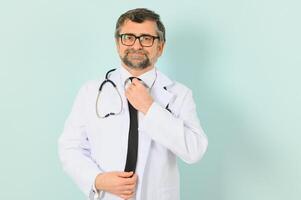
pixel 148 77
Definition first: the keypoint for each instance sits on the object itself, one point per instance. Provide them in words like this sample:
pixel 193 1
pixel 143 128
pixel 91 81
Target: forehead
pixel 146 27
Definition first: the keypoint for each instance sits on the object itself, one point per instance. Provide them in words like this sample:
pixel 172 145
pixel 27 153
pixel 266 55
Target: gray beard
pixel 140 65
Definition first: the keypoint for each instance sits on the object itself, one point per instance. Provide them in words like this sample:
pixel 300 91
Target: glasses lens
pixel 127 39
pixel 146 40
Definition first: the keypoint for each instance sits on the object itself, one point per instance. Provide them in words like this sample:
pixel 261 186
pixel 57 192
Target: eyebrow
pixel 142 34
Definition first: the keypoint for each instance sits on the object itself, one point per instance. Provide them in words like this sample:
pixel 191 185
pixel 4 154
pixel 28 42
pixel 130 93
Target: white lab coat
pixel 89 145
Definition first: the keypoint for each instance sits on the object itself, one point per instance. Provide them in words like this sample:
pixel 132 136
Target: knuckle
pixel 125 196
pixel 131 187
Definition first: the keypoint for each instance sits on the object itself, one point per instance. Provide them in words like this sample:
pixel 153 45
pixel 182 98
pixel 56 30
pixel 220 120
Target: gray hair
pixel 139 15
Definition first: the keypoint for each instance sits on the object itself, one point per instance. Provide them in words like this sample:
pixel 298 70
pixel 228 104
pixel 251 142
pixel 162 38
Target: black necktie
pixel 132 152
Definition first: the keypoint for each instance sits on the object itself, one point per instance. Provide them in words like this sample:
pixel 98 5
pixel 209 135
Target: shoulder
pixel 91 85
pixel 173 85
pixel 177 86
pixel 89 88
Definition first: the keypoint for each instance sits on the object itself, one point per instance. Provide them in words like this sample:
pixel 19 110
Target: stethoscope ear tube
pixel 104 82
pixel 107 79
pixel 108 73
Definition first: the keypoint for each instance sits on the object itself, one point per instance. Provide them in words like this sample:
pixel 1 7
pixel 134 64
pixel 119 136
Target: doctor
pixel 94 147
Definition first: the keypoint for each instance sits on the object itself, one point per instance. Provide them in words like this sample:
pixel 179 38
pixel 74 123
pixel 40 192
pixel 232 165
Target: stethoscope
pixel 109 81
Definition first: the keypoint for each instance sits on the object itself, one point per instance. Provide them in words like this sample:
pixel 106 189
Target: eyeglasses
pixel 144 40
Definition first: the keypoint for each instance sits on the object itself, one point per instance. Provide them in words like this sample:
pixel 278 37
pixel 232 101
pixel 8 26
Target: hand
pixel 122 184
pixel 138 96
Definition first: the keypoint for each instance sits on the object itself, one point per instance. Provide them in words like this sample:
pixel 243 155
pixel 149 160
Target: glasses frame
pixel 138 37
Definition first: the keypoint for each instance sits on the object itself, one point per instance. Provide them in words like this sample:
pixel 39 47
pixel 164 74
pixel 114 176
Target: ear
pixel 160 47
pixel 117 44
pixel 116 41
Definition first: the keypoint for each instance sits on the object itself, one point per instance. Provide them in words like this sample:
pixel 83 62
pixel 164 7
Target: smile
pixel 136 55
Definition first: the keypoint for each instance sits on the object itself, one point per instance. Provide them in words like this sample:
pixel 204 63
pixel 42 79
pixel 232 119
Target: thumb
pixel 125 174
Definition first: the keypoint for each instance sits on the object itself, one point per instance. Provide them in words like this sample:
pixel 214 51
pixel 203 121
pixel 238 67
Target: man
pixel 122 143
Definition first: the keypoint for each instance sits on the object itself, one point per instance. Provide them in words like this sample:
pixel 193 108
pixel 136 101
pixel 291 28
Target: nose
pixel 137 44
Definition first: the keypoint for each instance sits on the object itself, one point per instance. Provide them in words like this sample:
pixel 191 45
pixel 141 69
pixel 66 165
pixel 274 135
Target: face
pixel 137 56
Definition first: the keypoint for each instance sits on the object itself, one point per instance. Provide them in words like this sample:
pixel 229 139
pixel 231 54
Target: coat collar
pixel 148 77
pixel 159 91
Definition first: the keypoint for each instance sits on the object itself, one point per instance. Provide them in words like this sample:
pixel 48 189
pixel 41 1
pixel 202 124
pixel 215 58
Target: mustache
pixel 135 51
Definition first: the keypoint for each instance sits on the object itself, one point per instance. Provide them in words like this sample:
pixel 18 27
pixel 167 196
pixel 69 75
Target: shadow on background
pixel 200 66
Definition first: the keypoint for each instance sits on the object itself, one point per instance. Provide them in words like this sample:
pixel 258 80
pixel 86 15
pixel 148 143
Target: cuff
pixel 95 194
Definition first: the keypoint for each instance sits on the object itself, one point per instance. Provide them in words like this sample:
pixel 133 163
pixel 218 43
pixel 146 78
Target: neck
pixel 137 72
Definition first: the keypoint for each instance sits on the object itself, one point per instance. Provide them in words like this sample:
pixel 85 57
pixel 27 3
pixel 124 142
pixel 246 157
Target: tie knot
pixel 132 77
pixel 126 83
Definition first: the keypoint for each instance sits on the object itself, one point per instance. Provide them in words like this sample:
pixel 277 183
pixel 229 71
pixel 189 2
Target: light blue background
pixel 241 59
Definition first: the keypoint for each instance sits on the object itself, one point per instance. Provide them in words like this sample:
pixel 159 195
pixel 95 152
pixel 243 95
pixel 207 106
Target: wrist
pixel 147 107
pixel 98 182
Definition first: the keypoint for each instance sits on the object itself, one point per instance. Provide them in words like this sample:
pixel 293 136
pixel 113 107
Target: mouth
pixel 137 56
pixel 136 53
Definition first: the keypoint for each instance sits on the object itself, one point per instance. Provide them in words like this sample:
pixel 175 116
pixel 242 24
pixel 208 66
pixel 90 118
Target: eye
pixel 147 38
pixel 128 37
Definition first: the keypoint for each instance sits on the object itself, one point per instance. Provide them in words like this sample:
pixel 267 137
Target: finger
pixel 132 180
pixel 138 83
pixel 129 91
pixel 127 192
pixel 125 174
pixel 135 81
pixel 126 197
pixel 131 87
pixel 129 187
pixel 127 94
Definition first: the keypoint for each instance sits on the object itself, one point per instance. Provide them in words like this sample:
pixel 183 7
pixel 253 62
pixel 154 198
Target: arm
pixel 183 135
pixel 74 147
pixel 75 155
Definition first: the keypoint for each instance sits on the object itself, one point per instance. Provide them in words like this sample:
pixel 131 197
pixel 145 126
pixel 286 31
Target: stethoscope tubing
pixel 107 80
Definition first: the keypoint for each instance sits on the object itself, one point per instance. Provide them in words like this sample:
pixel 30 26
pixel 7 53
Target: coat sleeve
pixel 183 135
pixel 74 147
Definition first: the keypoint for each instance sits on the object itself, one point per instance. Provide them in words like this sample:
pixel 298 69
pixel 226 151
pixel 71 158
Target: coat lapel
pixel 163 97
pixel 160 91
